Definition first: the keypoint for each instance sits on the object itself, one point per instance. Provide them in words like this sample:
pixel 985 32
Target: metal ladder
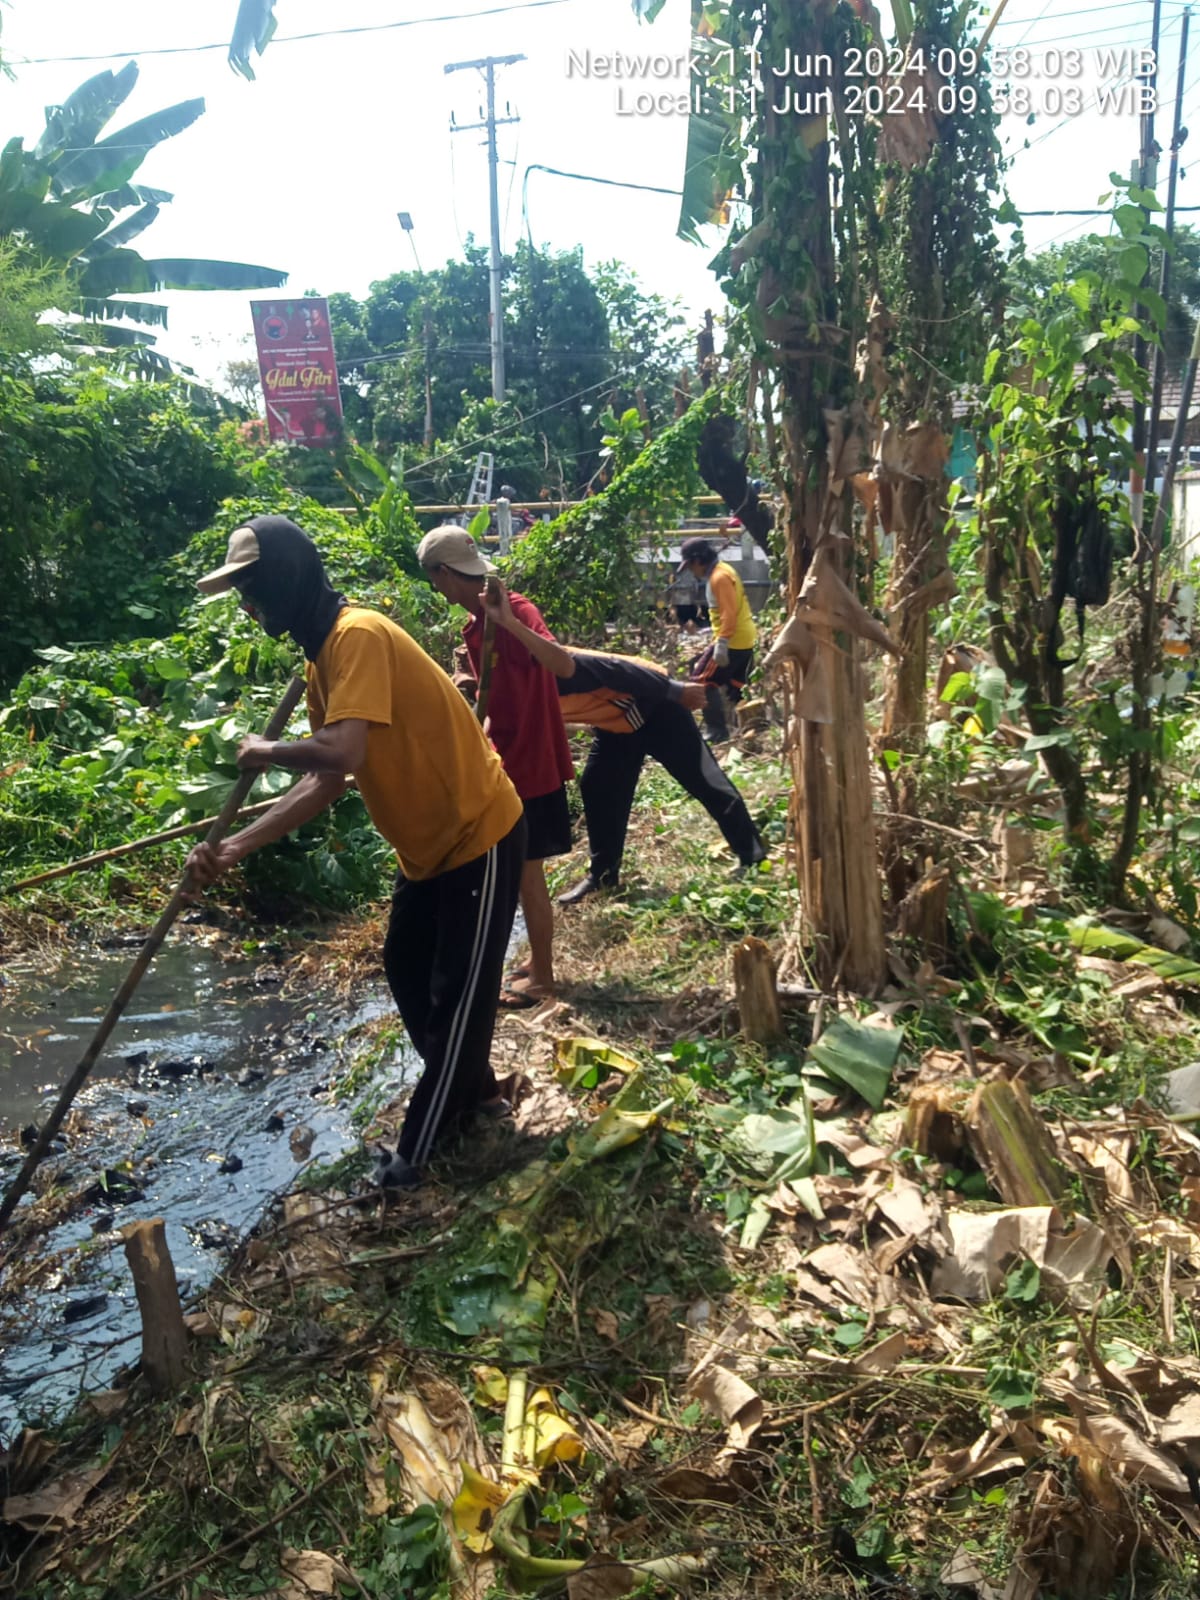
pixel 480 492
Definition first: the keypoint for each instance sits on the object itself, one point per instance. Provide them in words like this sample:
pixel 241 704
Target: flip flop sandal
pixel 495 1110
pixel 519 1000
pixel 523 971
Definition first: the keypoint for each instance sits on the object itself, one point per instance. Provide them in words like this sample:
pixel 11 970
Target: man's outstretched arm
pixel 548 652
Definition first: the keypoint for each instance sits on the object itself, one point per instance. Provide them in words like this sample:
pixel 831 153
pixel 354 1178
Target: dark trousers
pixel 725 685
pixel 444 956
pixel 610 778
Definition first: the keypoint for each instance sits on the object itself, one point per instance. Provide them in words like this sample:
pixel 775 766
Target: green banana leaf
pixel 859 1056
pixel 1091 937
pixel 86 167
pixel 85 111
pixel 253 30
pixel 775 1145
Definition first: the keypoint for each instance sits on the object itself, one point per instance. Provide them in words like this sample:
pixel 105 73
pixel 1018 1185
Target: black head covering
pixel 288 587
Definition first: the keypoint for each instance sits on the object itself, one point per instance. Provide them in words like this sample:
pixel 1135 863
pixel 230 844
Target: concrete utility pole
pixel 1145 174
pixel 491 122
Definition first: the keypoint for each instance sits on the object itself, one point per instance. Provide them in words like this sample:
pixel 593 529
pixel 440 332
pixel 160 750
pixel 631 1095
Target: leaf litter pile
pixel 904 1304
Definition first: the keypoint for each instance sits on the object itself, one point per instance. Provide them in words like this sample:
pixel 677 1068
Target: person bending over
pixel 382 710
pixel 636 711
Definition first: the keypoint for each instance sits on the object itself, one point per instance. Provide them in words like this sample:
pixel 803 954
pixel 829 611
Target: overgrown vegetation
pixel 900 1301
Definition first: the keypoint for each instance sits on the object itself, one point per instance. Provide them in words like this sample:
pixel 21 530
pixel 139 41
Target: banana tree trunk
pixel 912 498
pixel 804 314
pixel 832 799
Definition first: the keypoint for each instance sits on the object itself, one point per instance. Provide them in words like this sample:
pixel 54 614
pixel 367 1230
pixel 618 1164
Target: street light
pixel 406 222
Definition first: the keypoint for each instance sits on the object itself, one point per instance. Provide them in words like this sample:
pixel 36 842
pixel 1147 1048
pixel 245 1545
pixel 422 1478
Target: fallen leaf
pixel 963 1571
pixel 53 1508
pixel 377 1502
pixel 984 1244
pixel 732 1400
pixel 554 1438
pixel 107 1402
pixel 602 1578
pixel 491 1387
pixel 585 1063
pixel 606 1325
pixel 1171 1233
pixel 1181 1425
pixel 906 1207
pixel 25 1459
pixel 859 1056
pixel 310 1573
pixel 475 1507
pixel 689 1483
pixel 854 1273
pixel 883 1356
pixel 1131 1456
pixel 858 1153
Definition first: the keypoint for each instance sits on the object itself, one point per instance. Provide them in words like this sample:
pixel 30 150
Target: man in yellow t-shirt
pixel 725 664
pixel 382 710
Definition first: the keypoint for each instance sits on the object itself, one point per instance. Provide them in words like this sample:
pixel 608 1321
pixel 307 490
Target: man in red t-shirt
pixel 525 724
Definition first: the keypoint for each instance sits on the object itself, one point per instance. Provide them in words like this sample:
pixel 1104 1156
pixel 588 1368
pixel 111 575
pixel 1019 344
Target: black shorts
pixel 548 820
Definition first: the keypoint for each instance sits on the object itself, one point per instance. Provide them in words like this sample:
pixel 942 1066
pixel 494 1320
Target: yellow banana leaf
pixel 554 1439
pixel 475 1507
pixel 584 1063
pixel 491 1387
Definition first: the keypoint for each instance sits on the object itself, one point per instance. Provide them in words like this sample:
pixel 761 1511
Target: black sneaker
pixel 394 1171
pixel 580 891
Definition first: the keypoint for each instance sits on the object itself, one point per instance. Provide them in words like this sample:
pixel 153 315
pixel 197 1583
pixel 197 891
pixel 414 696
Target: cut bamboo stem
pixel 754 981
pixel 487 658
pixel 164 1333
pixel 181 832
pixel 149 950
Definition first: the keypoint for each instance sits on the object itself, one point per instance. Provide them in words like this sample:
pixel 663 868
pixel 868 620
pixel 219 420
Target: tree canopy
pixel 1034 276
pixel 575 343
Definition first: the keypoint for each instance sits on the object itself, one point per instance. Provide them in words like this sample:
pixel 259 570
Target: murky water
pixel 211 1095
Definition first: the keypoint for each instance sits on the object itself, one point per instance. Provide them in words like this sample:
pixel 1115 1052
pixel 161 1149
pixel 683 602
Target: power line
pixel 289 38
pixel 587 177
pixel 499 433
pixel 1088 11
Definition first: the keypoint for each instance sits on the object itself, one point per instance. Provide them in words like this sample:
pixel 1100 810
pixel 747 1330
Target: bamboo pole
pixel 487 659
pixel 149 950
pixel 181 832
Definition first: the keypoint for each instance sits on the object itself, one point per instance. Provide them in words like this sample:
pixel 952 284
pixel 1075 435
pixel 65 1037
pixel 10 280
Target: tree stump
pixel 164 1334
pixel 1013 1145
pixel 757 995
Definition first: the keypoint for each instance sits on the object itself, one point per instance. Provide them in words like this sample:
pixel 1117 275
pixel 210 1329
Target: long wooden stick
pixel 158 933
pixel 181 832
pixel 488 658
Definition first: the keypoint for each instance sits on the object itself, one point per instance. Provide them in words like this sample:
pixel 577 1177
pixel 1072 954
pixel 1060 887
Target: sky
pixel 305 168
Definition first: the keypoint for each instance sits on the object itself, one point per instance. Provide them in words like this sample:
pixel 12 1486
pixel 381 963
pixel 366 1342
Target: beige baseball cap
pixel 242 552
pixel 452 546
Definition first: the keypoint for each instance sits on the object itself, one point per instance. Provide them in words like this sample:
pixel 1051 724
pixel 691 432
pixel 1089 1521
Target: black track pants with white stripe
pixel 609 779
pixel 444 956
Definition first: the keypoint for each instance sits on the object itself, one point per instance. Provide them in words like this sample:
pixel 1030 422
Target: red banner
pixel 299 373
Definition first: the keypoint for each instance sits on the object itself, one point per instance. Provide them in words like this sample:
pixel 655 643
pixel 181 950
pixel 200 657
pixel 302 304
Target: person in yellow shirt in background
pixel 385 712
pixel 725 665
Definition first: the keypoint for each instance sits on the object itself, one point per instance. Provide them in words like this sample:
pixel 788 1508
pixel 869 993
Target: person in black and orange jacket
pixel 636 711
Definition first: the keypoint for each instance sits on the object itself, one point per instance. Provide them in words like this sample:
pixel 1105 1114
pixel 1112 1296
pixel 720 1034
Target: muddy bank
pixel 216 1091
